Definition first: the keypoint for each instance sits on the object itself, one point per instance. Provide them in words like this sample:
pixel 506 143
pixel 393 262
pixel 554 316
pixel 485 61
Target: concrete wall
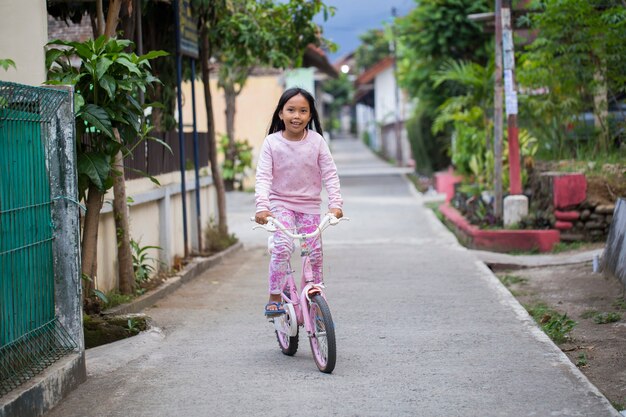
pixel 614 257
pixel 385 104
pixel 385 113
pixel 23 34
pixel 255 106
pixel 366 123
pixel 156 219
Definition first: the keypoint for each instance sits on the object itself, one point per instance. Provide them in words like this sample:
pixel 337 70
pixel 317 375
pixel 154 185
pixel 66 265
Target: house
pixel 257 101
pixel 381 112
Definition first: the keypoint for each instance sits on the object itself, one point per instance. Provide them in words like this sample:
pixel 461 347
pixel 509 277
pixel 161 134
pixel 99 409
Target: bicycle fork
pixel 310 289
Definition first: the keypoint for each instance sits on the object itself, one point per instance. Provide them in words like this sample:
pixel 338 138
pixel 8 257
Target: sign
pixel 188 30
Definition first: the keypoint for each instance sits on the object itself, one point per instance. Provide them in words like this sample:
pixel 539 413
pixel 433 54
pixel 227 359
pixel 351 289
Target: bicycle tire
pixel 288 344
pixel 323 344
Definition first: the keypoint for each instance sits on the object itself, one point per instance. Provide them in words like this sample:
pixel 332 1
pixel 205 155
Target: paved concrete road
pixel 423 329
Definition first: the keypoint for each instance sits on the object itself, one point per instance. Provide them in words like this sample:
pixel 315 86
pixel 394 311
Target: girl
pixel 294 162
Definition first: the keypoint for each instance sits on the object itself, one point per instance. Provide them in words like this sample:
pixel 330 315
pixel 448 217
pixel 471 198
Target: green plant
pixel 93 292
pixel 581 361
pixel 107 83
pixel 234 169
pixel 567 246
pixel 114 298
pixel 216 241
pixel 576 60
pixel 557 326
pixel 7 63
pixel 143 263
pixel 109 120
pixel 620 304
pixel 605 318
pixel 509 280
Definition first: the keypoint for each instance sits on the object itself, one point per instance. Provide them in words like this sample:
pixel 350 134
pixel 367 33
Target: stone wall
pixel 562 199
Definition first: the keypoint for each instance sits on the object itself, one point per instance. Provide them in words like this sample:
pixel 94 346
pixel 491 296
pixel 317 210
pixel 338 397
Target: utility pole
pixel 516 204
pixel 397 129
pixel 511 99
pixel 497 115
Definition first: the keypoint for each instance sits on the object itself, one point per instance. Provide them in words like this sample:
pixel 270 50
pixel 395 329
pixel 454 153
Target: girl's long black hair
pixel 278 125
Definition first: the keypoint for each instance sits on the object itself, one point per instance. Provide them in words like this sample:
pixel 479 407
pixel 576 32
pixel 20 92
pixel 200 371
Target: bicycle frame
pixel 308 287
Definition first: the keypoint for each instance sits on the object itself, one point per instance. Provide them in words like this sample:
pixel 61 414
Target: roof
pixel 371 73
pixel 314 56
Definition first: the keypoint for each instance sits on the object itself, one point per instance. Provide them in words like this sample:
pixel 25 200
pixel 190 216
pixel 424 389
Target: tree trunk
pixel 215 172
pixel 230 151
pixel 113 16
pixel 126 272
pixel 89 244
pixel 99 30
pixel 601 109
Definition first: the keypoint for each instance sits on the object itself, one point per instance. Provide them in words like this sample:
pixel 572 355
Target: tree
pixel 374 48
pixel 433 33
pixel 342 90
pixel 581 42
pixel 118 13
pixel 108 117
pixel 262 33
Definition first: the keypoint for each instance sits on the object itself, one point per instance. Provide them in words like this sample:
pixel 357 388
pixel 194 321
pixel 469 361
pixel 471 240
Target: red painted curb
pixel 501 240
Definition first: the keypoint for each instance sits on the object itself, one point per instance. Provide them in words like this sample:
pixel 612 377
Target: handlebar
pixel 273 225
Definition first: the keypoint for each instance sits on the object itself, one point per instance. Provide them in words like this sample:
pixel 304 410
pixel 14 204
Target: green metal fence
pixel 31 338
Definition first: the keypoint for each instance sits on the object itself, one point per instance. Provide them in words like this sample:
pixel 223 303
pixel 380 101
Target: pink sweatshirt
pixel 290 174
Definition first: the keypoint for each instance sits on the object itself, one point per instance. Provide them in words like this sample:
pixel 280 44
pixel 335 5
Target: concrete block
pixel 566 216
pixel 569 189
pixel 561 225
pixel 515 209
pixel 444 183
pixel 614 257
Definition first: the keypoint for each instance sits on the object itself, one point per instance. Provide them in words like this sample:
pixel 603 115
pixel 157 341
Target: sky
pixel 354 17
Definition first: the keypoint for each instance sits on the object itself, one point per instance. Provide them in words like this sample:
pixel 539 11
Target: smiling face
pixel 296 114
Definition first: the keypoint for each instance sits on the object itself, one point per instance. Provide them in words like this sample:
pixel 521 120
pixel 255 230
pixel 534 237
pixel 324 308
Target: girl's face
pixel 296 115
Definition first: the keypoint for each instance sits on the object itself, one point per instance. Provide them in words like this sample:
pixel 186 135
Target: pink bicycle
pixel 307 308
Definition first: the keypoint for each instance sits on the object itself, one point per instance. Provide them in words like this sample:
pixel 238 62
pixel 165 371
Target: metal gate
pixel 31 338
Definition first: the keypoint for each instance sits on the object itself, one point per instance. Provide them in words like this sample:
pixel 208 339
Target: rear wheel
pixel 323 340
pixel 288 344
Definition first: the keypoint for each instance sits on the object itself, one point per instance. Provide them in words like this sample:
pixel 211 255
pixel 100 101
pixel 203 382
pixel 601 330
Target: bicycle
pixel 309 308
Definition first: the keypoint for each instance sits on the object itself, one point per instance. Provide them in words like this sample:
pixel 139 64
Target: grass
pixel 588 314
pixel 605 318
pixel 216 241
pixel 533 251
pixel 620 304
pixel 509 280
pixel 114 299
pixel 581 361
pixel 619 406
pixel 556 325
pixel 567 246
pixel 601 317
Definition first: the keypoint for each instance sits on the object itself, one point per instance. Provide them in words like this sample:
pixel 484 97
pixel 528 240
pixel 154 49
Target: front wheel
pixel 323 339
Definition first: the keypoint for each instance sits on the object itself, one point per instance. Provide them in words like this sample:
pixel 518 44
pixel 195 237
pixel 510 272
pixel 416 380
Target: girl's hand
pixel 261 216
pixel 336 212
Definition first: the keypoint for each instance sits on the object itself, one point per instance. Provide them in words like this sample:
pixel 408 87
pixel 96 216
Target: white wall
pixel 23 34
pixel 385 99
pixel 156 219
pixel 385 113
pixel 366 122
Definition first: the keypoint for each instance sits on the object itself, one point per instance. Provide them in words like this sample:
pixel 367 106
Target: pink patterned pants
pixel 284 247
